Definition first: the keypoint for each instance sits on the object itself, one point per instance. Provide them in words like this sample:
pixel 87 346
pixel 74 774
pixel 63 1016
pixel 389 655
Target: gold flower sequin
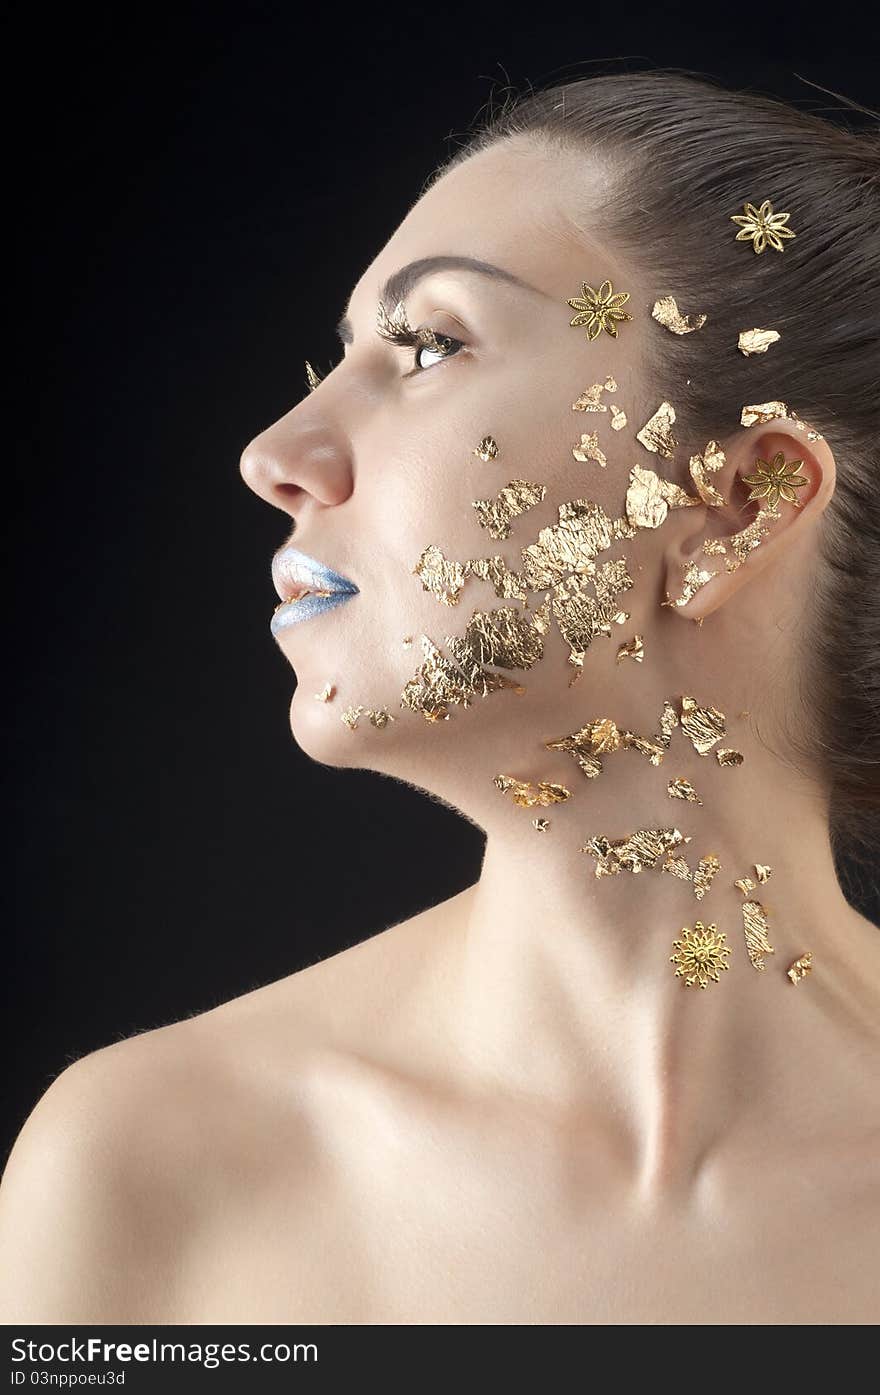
pixel 527 794
pixel 762 227
pixel 776 479
pixel 666 312
pixel 487 449
pixel 756 930
pixel 756 341
pixel 632 649
pixel 589 449
pixel 700 954
pixel 515 498
pixel 656 434
pixel 801 967
pixel 311 377
pixel 599 309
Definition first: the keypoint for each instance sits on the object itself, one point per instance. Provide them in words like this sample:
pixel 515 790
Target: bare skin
pixel 506 1109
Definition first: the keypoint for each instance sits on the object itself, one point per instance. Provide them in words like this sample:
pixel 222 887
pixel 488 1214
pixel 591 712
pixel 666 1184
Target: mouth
pixel 295 575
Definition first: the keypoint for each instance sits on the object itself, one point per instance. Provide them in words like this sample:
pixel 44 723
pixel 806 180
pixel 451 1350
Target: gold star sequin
pixel 776 479
pixel 599 310
pixel 699 954
pixel 762 227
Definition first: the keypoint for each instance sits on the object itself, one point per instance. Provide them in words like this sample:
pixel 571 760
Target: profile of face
pixel 474 492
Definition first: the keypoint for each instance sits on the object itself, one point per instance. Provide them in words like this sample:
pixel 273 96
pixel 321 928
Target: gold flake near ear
pixel 599 310
pixel 801 967
pixel 526 794
pixel 589 398
pixel 725 756
pixel 649 498
pixel 487 449
pixel 311 377
pixel 700 954
pixel 514 499
pixel 762 412
pixel 694 579
pixel 327 692
pixel 701 466
pixel 589 449
pixel 680 788
pixel 756 930
pixel 750 537
pixel 632 649
pixel 776 479
pixel 762 227
pixel 656 434
pixel 756 341
pixel 666 312
pixel 641 849
pixel 704 725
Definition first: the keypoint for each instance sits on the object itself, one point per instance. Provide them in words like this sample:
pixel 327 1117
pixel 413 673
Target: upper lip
pixel 294 573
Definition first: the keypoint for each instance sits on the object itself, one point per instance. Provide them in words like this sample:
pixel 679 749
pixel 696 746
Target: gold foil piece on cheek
pixel 700 954
pixel 312 378
pixel 756 341
pixel 541 824
pixel 632 649
pixel 763 873
pixel 444 579
pixel 801 967
pixel 680 788
pixel 642 849
pixel 666 312
pixel 701 466
pixel 745 885
pixel 350 716
pixel 704 874
pixel 507 585
pixel 584 529
pixel 514 499
pixel 704 725
pixel 582 613
pixel 618 417
pixel 756 928
pixel 656 434
pixel 589 449
pixel 526 794
pixel 589 398
pixel 327 692
pixel 487 449
pixel 649 498
pixel 727 756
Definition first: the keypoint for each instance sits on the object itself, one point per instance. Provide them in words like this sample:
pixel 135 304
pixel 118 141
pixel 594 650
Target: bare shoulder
pixel 134 1150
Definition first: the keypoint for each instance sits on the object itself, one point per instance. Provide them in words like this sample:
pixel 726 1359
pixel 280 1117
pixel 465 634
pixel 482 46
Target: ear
pixel 734 561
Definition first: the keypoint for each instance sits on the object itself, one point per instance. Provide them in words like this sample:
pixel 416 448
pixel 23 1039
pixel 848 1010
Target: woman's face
pixel 380 463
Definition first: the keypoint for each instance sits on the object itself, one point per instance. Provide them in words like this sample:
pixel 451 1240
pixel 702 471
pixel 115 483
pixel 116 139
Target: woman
pixel 589 514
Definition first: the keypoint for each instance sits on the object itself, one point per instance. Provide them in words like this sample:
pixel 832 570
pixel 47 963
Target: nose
pixel 292 462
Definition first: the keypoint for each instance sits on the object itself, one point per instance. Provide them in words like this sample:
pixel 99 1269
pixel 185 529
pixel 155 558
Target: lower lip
pixel 292 612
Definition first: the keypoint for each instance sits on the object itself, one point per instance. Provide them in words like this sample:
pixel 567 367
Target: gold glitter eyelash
pixel 396 329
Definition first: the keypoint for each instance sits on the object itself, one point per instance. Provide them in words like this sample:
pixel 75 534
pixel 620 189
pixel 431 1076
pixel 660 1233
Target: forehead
pixel 505 205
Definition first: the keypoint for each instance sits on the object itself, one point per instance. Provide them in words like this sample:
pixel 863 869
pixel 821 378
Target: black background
pixel 193 197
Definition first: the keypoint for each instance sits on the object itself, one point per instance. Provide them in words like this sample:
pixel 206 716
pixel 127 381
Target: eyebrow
pixel 400 283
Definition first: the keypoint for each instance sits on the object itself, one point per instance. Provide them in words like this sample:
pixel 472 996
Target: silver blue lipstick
pixel 306 587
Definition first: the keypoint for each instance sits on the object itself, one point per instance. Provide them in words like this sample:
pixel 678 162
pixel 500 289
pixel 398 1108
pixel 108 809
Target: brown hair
pixel 684 153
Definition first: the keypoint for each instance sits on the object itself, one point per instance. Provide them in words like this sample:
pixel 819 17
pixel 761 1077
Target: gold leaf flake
pixel 641 849
pixel 704 725
pixel 350 716
pixel 588 401
pixel 444 579
pixel 610 384
pixel 745 885
pixel 618 417
pixel 750 537
pixel 632 649
pixel 527 794
pixel 757 341
pixel 714 547
pixel 725 755
pixel 584 607
pixel 380 717
pixel 311 377
pixel 649 498
pixel 763 873
pixel 755 927
pixel 655 747
pixel 801 967
pixel 541 824
pixel 709 868
pixel 589 449
pixel 487 449
pixel 680 788
pixel 763 412
pixel 327 692
pixel 407 641
pixel 701 466
pixel 694 578
pixel 506 584
pixel 584 529
pixel 678 867
pixel 515 498
pixel 656 434
pixel 666 312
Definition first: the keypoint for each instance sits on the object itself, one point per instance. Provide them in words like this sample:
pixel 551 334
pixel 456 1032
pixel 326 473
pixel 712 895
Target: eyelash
pixel 424 338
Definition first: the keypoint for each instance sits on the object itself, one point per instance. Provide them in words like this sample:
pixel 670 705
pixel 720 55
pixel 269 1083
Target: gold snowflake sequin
pixel 666 312
pixel 762 227
pixel 599 309
pixel 700 954
pixel 776 479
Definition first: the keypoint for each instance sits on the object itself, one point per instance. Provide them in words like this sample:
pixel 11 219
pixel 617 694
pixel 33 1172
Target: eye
pixel 430 341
